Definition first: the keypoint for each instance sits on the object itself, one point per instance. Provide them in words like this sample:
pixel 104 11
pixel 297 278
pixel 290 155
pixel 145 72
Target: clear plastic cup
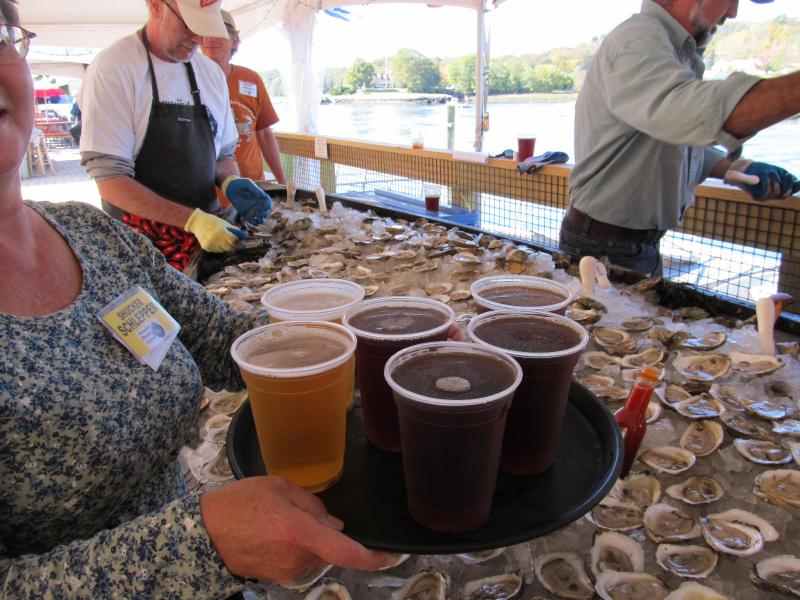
pixel 383 326
pixel 547 347
pixel 522 293
pixel 452 399
pixel 299 377
pixel 311 300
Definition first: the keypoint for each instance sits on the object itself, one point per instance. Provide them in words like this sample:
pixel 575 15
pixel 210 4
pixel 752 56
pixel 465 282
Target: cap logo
pixel 207 3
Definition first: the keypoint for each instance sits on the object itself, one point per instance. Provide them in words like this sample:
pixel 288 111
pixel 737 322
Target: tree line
pixel 770 47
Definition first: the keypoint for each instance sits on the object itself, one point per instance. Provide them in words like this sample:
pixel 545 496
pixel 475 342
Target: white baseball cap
pixel 203 17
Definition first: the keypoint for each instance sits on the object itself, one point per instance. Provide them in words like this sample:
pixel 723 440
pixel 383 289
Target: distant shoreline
pixel 411 98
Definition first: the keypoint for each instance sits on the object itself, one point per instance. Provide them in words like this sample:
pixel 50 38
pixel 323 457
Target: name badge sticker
pixel 140 324
pixel 248 88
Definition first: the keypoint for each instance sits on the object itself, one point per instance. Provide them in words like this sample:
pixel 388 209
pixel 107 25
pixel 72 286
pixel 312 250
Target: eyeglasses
pixel 177 14
pixel 14 43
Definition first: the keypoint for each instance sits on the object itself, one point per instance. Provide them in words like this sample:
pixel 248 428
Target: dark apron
pixel 177 160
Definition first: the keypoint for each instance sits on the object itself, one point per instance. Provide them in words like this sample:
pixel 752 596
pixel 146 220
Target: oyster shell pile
pixel 730 416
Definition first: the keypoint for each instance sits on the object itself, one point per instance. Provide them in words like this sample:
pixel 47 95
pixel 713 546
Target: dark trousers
pixel 633 249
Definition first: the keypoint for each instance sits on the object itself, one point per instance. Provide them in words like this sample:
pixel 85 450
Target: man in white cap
pixel 645 127
pixel 251 106
pixel 158 133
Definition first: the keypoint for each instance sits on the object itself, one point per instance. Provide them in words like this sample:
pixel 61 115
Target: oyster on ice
pixel 650 356
pixel 763 452
pixel 778 573
pixel 788 427
pixel 329 589
pixel 700 407
pixel 668 459
pixel 780 487
pixel 754 364
pixel 616 552
pixel 563 575
pixel 641 489
pixel 702 438
pixel 665 523
pixel 743 517
pixel 687 561
pixel 702 367
pixel 744 426
pixel 728 395
pixel 614 515
pixel 474 558
pixel 498 587
pixel 427 585
pixel 615 341
pixel 700 489
pixel 638 324
pixel 600 360
pixel 614 585
pixel 771 408
pixel 710 341
pixel 672 395
pixel 732 538
pixel 695 591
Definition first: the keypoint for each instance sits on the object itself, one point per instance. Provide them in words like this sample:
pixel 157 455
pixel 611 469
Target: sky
pixel 516 27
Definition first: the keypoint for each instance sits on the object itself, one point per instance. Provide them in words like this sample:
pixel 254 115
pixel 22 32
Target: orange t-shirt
pixel 252 110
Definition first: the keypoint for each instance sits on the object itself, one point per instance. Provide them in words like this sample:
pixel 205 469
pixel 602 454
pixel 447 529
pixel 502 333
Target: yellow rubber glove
pixel 213 233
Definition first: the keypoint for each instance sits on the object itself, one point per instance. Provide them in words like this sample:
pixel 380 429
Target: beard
pixel 704 30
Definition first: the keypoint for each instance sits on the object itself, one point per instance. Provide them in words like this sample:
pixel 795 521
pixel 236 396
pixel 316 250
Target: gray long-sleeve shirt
pixel 645 123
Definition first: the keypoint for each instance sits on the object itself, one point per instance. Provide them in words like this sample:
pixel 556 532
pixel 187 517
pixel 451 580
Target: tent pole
pixel 481 69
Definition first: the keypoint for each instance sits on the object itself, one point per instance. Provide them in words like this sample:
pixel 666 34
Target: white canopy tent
pixel 97 23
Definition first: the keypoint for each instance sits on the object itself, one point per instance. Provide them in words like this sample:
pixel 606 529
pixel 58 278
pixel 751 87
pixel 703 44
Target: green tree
pixel 499 79
pixel 414 71
pixel 273 82
pixel 360 75
pixel 461 74
pixel 333 79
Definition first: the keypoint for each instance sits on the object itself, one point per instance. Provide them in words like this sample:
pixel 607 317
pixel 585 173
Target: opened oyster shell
pixel 498 587
pixel 563 575
pixel 744 426
pixel 778 573
pixel 640 489
pixel 652 413
pixel 613 515
pixel 695 591
pixel 702 367
pixel 690 562
pixel 701 489
pixel 650 356
pixel 614 585
pixel 638 324
pixel 665 523
pixel 737 515
pixel 710 341
pixel 613 551
pixel 329 589
pixel 788 427
pixel 430 585
pixel 474 558
pixel 700 407
pixel 614 341
pixel 702 438
pixel 770 408
pixel 731 538
pixel 754 364
pixel 672 395
pixel 728 395
pixel 600 360
pixel 780 487
pixel 668 459
pixel 763 452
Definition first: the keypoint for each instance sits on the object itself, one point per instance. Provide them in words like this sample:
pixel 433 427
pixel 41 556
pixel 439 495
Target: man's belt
pixel 579 222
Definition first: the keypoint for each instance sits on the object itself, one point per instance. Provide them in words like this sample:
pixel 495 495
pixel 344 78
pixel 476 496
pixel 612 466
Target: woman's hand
pixel 270 529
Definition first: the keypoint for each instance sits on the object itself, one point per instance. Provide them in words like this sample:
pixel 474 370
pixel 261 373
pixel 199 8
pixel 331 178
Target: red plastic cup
pixel 452 400
pixel 525 146
pixel 547 347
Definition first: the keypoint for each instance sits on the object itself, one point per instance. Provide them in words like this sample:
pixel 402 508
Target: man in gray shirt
pixel 645 127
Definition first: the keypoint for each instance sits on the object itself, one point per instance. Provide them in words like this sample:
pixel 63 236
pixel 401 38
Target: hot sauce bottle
pixel 631 417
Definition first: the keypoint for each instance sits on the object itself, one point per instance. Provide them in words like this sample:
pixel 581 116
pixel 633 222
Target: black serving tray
pixel 370 497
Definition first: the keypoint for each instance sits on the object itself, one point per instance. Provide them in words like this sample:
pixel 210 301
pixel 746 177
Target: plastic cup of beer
pixel 299 377
pixel 523 293
pixel 547 347
pixel 383 326
pixel 525 145
pixel 432 194
pixel 452 399
pixel 311 300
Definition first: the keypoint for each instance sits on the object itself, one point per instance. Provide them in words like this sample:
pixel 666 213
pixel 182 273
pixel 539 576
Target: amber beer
pixel 311 300
pixel 299 377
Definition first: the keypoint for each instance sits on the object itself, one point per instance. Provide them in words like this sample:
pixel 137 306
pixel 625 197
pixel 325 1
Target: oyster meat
pixel 498 587
pixel 709 341
pixel 638 324
pixel 616 552
pixel 780 487
pixel 563 575
pixel 763 452
pixel 690 562
pixel 668 459
pixel 702 367
pixel 614 341
pixel 614 585
pixel 788 427
pixel 614 515
pixel 778 573
pixel 640 489
pixel 743 517
pixel 672 395
pixel 701 438
pixel 772 409
pixel 744 426
pixel 650 356
pixel 703 406
pixel 600 360
pixel 731 538
pixel 665 523
pixel 701 489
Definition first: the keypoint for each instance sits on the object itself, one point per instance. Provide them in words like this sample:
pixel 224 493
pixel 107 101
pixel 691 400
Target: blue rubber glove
pixel 249 200
pixel 774 182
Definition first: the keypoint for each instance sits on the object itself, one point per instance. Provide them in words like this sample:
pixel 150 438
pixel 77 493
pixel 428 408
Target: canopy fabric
pixel 97 23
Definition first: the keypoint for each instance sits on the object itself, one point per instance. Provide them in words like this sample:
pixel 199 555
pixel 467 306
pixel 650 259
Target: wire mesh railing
pixel 728 245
